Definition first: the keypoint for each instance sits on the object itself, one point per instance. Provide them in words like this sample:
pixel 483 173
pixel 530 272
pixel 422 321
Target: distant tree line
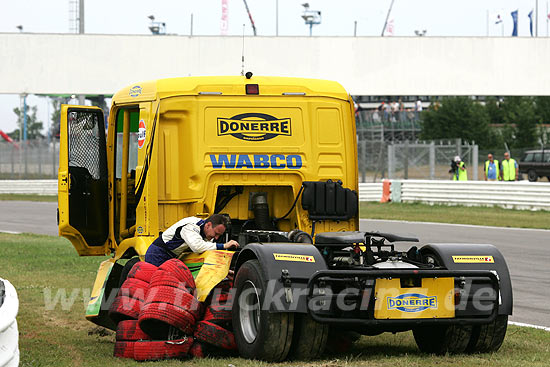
pixel 35 128
pixel 515 121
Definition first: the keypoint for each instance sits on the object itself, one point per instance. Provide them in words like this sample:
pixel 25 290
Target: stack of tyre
pixel 158 316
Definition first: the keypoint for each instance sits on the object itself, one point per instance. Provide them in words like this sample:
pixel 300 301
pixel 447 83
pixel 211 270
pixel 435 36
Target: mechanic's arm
pixel 197 244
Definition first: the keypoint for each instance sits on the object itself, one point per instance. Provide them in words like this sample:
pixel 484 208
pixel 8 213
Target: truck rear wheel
pixel 441 339
pixel 310 338
pixel 259 334
pixel 489 337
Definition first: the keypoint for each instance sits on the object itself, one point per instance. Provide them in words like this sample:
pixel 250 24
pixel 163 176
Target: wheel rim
pixel 249 311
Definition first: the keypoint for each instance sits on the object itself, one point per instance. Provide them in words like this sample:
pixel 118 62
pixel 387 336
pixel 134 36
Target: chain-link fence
pixel 379 159
pixel 29 160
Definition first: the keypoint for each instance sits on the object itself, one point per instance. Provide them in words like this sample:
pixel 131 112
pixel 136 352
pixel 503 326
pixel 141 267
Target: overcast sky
pixel 437 17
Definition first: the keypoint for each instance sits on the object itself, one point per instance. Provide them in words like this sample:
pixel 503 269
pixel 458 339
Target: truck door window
pixel 126 154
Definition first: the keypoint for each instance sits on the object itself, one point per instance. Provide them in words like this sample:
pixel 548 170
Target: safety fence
pixel 34 159
pixel 40 187
pixel 516 195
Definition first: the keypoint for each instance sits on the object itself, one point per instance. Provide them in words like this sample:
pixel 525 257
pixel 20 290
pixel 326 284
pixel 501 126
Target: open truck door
pixel 83 180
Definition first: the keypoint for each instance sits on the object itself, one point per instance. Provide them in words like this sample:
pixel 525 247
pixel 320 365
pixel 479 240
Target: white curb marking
pixel 9 232
pixel 529 325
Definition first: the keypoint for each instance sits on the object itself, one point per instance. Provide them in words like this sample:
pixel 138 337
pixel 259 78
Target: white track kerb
pixel 9 336
pixel 529 325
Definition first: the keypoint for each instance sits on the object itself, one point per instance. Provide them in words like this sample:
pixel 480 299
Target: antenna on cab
pixel 242 69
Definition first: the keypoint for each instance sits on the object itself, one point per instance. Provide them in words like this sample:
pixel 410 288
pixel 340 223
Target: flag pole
pixel 537 18
pixel 487 22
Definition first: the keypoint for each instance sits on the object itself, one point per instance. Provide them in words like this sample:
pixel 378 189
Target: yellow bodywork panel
pixel 96 297
pixel 214 267
pixel 434 299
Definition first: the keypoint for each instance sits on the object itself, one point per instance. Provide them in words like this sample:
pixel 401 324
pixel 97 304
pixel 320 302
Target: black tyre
pixel 309 339
pixel 126 269
pixel 442 339
pixel 489 337
pixel 532 175
pixel 259 334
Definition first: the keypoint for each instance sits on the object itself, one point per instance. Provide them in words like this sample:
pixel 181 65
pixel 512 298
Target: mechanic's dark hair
pixel 217 219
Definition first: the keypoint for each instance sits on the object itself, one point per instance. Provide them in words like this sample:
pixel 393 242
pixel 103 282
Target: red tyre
pixel 211 333
pixel 180 271
pixel 134 288
pixel 217 314
pixel 156 319
pixel 129 330
pixel 225 285
pixel 142 271
pixel 179 297
pixel 165 278
pixel 125 308
pixel 124 349
pixel 197 350
pixel 157 350
pixel 220 299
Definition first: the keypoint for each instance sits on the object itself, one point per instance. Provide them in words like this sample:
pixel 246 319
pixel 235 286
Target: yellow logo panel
pixel 473 259
pixel 292 257
pixel 434 299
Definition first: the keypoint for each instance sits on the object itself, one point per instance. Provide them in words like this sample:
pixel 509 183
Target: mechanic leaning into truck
pixel 189 233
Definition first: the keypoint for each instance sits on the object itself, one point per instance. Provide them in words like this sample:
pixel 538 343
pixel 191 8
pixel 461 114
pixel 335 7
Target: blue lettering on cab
pixel 256 161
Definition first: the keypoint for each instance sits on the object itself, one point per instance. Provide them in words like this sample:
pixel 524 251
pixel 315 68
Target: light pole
pixel 311 17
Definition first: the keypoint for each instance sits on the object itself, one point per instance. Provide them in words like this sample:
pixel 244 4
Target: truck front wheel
pixel 259 334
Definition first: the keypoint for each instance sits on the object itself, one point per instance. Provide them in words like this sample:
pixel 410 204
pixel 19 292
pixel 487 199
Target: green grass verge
pixel 488 216
pixel 28 197
pixel 40 267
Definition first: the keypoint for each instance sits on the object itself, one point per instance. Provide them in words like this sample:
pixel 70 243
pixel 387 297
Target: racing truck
pixel 278 156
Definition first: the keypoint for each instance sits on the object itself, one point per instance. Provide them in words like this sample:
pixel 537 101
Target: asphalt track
pixel 527 252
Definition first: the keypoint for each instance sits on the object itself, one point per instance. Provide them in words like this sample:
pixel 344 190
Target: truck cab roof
pixel 228 85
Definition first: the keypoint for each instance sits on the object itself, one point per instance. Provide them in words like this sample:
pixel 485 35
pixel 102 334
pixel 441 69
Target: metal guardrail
pixel 370 191
pixel 40 187
pixel 519 195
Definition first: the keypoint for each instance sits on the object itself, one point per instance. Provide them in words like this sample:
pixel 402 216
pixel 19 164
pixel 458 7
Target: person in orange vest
pixel 492 169
pixel 509 168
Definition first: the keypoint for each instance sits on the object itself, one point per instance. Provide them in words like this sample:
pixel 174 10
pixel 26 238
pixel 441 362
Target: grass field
pixel 487 216
pixel 42 267
pixel 29 197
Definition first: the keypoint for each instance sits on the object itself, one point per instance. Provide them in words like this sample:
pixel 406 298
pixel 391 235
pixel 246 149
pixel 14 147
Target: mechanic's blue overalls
pixel 161 251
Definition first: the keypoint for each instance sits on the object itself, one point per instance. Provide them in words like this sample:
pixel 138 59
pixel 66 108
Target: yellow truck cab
pixel 201 145
pixel 278 157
